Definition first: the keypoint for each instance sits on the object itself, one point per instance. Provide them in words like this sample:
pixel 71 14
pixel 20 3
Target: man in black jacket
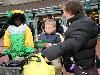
pixel 80 40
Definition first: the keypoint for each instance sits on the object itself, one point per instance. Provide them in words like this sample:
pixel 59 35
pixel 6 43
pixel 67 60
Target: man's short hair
pixel 72 6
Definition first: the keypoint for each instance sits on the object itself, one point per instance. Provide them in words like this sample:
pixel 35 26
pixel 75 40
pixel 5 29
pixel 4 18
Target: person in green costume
pixel 18 39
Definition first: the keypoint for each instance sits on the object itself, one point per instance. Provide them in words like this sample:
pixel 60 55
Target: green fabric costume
pixel 17 46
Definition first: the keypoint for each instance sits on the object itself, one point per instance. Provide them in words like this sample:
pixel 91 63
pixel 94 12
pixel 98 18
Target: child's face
pixel 49 28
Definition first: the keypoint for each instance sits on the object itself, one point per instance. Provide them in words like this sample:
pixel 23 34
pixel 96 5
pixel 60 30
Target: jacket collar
pixel 77 16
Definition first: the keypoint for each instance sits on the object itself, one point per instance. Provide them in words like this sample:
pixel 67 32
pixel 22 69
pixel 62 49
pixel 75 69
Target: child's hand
pixel 48 44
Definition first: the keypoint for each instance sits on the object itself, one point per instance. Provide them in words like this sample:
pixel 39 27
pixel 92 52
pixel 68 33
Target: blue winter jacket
pixel 53 38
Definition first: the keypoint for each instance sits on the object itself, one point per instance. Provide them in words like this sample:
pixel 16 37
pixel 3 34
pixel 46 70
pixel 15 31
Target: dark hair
pixel 15 16
pixel 73 6
pixel 49 16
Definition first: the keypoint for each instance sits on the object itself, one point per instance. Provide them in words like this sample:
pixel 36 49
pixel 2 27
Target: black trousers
pixel 97 62
pixel 91 71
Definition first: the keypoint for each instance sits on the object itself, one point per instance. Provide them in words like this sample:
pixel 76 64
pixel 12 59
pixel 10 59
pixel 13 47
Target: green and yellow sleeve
pixel 28 38
pixel 7 40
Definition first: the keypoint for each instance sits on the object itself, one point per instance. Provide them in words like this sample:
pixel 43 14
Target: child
pixel 18 37
pixel 50 34
pixel 53 38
